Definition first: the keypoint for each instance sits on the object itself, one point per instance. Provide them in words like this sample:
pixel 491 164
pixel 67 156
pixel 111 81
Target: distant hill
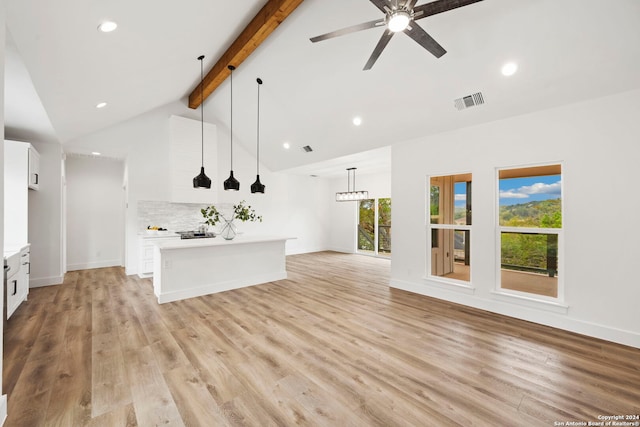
pixel 544 213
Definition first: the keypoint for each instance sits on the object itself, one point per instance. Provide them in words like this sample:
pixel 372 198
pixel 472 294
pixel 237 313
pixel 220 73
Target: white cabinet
pixel 186 151
pixel 18 284
pixel 16 194
pixel 34 168
pixel 145 252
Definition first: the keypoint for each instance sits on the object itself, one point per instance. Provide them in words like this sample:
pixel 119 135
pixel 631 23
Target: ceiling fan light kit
pixel 398 20
pixel 401 16
pixel 201 180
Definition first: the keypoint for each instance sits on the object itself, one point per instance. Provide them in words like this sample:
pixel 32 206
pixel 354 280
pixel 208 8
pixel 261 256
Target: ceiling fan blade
pixel 439 6
pixel 425 40
pixel 382 43
pixel 383 5
pixel 347 30
pixel 410 3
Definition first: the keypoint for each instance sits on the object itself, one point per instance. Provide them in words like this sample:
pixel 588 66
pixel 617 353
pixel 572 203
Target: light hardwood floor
pixel 330 346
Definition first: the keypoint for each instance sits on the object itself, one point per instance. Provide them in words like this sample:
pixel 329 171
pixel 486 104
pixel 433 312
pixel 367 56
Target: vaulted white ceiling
pixel 567 51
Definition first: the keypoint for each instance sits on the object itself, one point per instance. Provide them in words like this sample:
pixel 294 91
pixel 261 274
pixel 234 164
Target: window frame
pixel 429 227
pixel 559 232
pixel 376 226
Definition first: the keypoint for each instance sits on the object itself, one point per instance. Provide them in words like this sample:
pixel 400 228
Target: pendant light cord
pixel 231 139
pixel 201 111
pixel 258 130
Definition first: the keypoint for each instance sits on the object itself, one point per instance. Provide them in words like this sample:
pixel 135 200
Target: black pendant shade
pixel 258 187
pixel 231 184
pixel 202 180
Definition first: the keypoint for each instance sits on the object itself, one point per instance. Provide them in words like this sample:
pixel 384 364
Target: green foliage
pixel 211 215
pixel 366 224
pixel 542 214
pixel 366 218
pixel 435 200
pixel 384 211
pixel 244 212
pixel 529 250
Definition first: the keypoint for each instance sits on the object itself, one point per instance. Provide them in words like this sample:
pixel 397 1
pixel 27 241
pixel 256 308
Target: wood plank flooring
pixel 330 346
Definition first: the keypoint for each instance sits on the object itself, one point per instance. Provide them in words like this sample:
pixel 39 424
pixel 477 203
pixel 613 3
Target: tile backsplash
pixel 172 216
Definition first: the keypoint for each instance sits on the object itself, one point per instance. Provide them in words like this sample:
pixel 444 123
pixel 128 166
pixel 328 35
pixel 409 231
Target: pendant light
pixel 351 195
pixel 202 180
pixel 231 184
pixel 258 187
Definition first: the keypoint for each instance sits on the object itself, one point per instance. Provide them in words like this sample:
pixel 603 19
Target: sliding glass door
pixel 374 227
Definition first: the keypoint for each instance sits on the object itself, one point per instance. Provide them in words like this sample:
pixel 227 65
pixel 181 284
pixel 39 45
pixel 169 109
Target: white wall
pixel 292 205
pixel 3 397
pixel 45 218
pixel 597 141
pixel 95 212
pixel 344 215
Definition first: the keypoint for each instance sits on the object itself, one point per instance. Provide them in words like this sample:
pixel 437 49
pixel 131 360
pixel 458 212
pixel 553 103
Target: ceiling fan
pixel 400 16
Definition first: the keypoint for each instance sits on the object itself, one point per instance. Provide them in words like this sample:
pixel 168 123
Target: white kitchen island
pixel 195 267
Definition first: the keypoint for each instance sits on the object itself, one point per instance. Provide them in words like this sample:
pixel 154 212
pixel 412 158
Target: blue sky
pixel 514 191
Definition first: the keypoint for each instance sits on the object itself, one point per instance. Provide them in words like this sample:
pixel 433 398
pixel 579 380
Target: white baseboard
pixel 39 282
pixel 94 264
pixel 518 311
pixel 219 287
pixel 298 251
pixel 3 409
pixel 341 249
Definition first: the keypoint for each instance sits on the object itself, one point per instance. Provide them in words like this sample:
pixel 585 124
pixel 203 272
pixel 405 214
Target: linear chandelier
pixel 349 195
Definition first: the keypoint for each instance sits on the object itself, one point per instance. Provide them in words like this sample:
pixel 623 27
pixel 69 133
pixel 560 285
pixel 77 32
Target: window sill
pixel 532 302
pixel 450 284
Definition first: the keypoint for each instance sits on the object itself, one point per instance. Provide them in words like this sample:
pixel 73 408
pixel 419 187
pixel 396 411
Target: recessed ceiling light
pixel 95 153
pixel 107 26
pixel 286 145
pixel 101 105
pixel 357 121
pixel 509 69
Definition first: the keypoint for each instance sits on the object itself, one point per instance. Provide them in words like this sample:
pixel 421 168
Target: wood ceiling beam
pixel 261 26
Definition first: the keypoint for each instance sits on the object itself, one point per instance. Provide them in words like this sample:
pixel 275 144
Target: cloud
pixel 538 188
pixel 461 197
pixel 512 194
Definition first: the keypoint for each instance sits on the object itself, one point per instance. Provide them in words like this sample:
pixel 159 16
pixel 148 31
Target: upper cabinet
pixel 34 168
pixel 16 198
pixel 187 150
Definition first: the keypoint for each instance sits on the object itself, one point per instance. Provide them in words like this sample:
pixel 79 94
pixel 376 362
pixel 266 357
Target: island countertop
pixel 219 241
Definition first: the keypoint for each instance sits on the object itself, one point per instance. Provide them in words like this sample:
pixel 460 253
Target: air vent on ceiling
pixel 307 149
pixel 469 101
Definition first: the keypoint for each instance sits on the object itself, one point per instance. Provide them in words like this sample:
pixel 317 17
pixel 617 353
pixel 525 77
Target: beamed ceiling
pixel 567 51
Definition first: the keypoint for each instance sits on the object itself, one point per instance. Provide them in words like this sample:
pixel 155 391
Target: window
pixel 530 230
pixel 449 226
pixel 374 227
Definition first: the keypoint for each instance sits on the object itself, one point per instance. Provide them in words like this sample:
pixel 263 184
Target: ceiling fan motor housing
pixel 398 20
